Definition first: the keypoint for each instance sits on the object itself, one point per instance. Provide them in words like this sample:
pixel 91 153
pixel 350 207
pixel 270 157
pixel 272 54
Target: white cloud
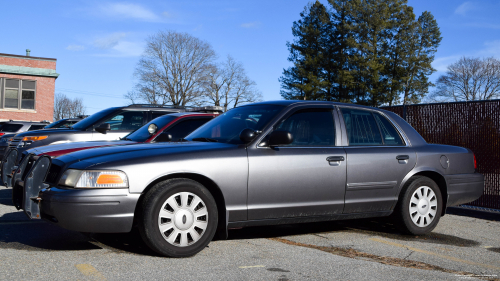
pixel 464 8
pixel 118 45
pixel 75 48
pixel 441 64
pixel 128 11
pixel 492 49
pixel 109 41
pixel 251 24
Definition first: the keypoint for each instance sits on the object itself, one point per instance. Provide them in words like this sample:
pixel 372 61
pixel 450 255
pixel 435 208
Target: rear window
pixel 36 127
pixel 11 127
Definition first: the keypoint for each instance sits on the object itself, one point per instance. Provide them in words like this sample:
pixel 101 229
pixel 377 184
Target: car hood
pixel 65 148
pixel 45 132
pixel 140 152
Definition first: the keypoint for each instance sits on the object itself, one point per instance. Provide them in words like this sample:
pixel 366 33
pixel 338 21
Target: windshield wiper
pixel 205 139
pixel 125 138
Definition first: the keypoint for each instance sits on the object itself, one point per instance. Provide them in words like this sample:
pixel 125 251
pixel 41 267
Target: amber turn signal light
pixel 109 179
pixel 37 138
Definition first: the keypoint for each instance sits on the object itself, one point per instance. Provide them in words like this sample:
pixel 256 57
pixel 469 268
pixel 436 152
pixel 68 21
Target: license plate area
pixel 32 184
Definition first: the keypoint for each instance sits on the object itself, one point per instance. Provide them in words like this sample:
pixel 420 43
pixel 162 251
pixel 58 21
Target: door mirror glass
pixel 247 135
pixel 103 128
pixel 277 138
pixel 164 137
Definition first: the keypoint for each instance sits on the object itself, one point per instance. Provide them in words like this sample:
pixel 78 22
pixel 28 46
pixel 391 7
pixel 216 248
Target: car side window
pixel 36 127
pixel 361 127
pixel 127 120
pixel 310 127
pixel 389 134
pixel 184 128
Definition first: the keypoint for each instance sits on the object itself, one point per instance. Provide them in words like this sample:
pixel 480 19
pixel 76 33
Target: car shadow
pixel 5 196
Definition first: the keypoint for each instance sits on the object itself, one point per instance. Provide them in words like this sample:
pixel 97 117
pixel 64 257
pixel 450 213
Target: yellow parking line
pixel 434 254
pixel 90 271
pixel 251 266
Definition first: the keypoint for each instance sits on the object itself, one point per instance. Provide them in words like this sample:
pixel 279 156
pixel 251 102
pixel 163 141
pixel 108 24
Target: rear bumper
pixel 91 210
pixel 464 188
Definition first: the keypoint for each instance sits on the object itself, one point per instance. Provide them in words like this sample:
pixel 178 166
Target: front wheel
pixel 419 207
pixel 178 218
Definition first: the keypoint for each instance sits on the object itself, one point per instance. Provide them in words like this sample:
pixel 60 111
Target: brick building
pixel 27 86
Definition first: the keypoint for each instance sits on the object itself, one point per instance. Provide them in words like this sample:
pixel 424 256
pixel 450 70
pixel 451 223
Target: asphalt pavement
pixel 462 247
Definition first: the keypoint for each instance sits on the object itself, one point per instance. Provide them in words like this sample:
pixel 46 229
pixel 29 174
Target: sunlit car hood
pixel 47 132
pixel 142 152
pixel 68 147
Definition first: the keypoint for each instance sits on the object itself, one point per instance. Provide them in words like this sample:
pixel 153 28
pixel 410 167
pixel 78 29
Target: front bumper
pixel 89 210
pixel 464 188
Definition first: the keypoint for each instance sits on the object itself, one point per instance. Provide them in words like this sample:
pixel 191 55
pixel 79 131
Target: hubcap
pixel 423 206
pixel 183 219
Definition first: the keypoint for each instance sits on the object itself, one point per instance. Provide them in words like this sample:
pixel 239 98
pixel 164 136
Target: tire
pixel 419 206
pixel 187 222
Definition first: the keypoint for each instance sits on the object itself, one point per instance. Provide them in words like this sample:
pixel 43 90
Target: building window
pixel 19 94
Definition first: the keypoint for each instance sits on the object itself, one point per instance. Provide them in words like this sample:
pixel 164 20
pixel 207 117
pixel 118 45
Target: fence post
pixel 404 112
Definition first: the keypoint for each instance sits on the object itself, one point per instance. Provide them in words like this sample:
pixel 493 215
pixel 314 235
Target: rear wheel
pixel 178 218
pixel 419 207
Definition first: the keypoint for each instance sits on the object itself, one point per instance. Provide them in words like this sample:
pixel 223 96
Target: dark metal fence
pixel 475 125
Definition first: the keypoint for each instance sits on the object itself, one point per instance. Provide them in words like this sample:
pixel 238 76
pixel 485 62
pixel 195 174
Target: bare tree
pixel 173 69
pixel 65 107
pixel 469 79
pixel 228 85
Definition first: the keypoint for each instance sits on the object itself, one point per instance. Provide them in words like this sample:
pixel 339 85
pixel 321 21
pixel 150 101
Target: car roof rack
pixel 206 109
pixel 157 105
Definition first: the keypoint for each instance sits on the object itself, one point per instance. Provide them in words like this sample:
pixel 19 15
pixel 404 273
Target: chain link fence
pixel 475 125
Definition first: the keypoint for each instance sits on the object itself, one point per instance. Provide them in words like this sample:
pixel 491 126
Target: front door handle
pixel 402 157
pixel 335 158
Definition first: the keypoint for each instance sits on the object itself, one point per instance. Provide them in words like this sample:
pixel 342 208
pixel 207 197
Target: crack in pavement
pixel 355 254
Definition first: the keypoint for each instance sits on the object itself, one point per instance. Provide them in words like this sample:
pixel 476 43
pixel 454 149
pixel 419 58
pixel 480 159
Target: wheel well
pixel 440 181
pixel 206 182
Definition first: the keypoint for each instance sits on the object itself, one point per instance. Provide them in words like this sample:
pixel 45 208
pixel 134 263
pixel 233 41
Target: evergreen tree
pixel 306 80
pixel 370 52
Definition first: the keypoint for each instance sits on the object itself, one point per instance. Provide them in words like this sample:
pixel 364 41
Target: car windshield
pixel 92 119
pixel 63 123
pixel 11 127
pixel 227 127
pixel 142 134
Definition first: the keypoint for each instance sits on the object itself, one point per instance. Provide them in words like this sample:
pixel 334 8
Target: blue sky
pixel 98 43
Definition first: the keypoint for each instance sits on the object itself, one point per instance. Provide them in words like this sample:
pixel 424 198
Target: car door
pixel 378 158
pixel 121 124
pixel 304 178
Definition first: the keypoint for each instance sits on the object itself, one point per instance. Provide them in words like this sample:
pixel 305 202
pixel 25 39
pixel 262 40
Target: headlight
pixel 94 179
pixel 29 140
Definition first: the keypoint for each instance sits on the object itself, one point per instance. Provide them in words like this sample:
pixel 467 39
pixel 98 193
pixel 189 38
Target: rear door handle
pixel 335 158
pixel 402 157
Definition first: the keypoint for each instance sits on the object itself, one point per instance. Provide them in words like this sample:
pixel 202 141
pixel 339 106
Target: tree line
pixel 369 52
pixel 180 69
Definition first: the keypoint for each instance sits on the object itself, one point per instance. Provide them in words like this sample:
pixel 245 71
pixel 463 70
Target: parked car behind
pixel 258 164
pixel 66 122
pixel 169 127
pixel 10 128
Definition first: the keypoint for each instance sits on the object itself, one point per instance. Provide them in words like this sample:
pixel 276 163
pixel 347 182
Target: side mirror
pixel 277 138
pixel 103 128
pixel 164 137
pixel 247 135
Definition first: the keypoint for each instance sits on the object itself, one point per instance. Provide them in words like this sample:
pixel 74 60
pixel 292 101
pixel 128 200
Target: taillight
pixel 1 134
pixel 475 162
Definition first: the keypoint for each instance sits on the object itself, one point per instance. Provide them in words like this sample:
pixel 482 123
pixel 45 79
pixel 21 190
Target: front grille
pixel 53 174
pixel 15 142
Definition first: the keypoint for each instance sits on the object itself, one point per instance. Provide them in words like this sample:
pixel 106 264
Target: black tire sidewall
pixel 404 210
pixel 151 206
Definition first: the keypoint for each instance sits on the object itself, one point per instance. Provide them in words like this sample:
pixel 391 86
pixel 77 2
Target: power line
pixel 88 93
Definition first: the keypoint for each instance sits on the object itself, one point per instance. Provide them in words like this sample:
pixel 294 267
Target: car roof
pixel 307 102
pixel 183 114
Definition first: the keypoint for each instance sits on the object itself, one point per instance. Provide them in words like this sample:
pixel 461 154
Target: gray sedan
pixel 259 164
